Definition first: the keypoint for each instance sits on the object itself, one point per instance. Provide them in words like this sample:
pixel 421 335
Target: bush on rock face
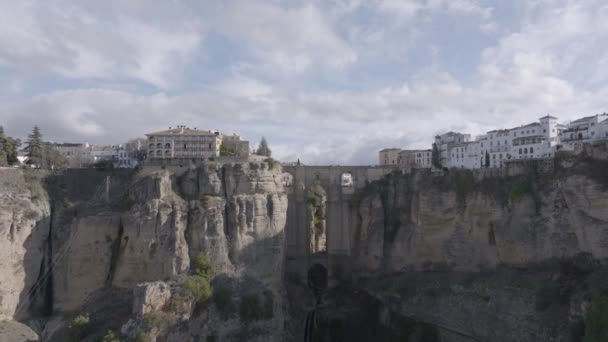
pixel 596 323
pixel 78 327
pixel 110 337
pixel 201 266
pixel 222 298
pixel 198 288
pixel 250 309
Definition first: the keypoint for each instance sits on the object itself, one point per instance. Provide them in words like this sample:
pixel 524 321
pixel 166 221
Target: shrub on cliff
pixel 250 309
pixel 596 322
pixel 222 298
pixel 110 337
pixel 199 289
pixel 201 266
pixel 271 163
pixel 78 327
pixel 143 337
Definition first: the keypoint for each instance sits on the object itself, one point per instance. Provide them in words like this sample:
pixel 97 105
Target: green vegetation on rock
pixel 143 337
pixel 222 298
pixel 201 266
pixel 250 309
pixel 521 189
pixel 198 285
pixel 78 327
pixel 226 151
pixel 110 337
pixel 271 163
pixel 158 319
pixel 596 322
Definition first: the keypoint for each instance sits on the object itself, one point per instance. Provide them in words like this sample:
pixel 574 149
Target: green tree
pixel 226 151
pixel 487 163
pixel 263 149
pixel 34 147
pixel 136 148
pixel 198 285
pixel 201 266
pixel 8 149
pixel 436 156
pixel 199 289
pixel 51 158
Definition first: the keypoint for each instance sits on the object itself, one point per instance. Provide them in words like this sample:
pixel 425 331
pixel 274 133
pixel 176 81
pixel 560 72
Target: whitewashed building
pixel 584 131
pixel 536 140
pixel 445 144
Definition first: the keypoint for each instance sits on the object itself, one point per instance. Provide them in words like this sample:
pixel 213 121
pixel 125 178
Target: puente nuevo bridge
pixel 319 226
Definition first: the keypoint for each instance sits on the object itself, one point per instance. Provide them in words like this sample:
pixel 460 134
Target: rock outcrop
pixel 24 230
pixel 97 230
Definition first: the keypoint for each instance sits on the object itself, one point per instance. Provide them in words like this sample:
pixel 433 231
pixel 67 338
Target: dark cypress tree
pixel 436 157
pixel 3 146
pixel 487 159
pixel 263 149
pixel 34 147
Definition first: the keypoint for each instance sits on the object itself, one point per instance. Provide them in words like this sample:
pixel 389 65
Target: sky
pixel 325 81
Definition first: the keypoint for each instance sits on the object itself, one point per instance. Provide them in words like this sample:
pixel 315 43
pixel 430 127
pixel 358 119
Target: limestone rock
pixel 150 297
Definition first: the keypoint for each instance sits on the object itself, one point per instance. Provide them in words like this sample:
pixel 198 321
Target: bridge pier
pixel 340 183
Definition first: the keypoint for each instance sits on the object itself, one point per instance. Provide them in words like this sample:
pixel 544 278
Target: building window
pixel 210 146
pixel 525 150
pixel 159 145
pixel 531 149
pixel 167 145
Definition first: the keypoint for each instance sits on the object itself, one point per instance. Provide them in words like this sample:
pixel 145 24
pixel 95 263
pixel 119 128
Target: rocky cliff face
pixel 459 222
pixel 98 232
pixel 509 258
pixel 24 223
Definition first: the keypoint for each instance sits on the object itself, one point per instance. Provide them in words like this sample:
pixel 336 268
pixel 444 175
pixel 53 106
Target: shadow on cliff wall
pixel 66 193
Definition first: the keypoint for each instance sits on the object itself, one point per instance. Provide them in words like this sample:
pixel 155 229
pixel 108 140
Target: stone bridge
pixel 320 227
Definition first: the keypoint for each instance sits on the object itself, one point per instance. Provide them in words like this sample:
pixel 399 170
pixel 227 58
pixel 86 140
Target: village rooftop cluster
pixel 180 144
pixel 495 149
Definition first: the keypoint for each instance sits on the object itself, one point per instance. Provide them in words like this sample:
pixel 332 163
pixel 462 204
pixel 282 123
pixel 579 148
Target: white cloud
pixel 59 37
pixel 292 39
